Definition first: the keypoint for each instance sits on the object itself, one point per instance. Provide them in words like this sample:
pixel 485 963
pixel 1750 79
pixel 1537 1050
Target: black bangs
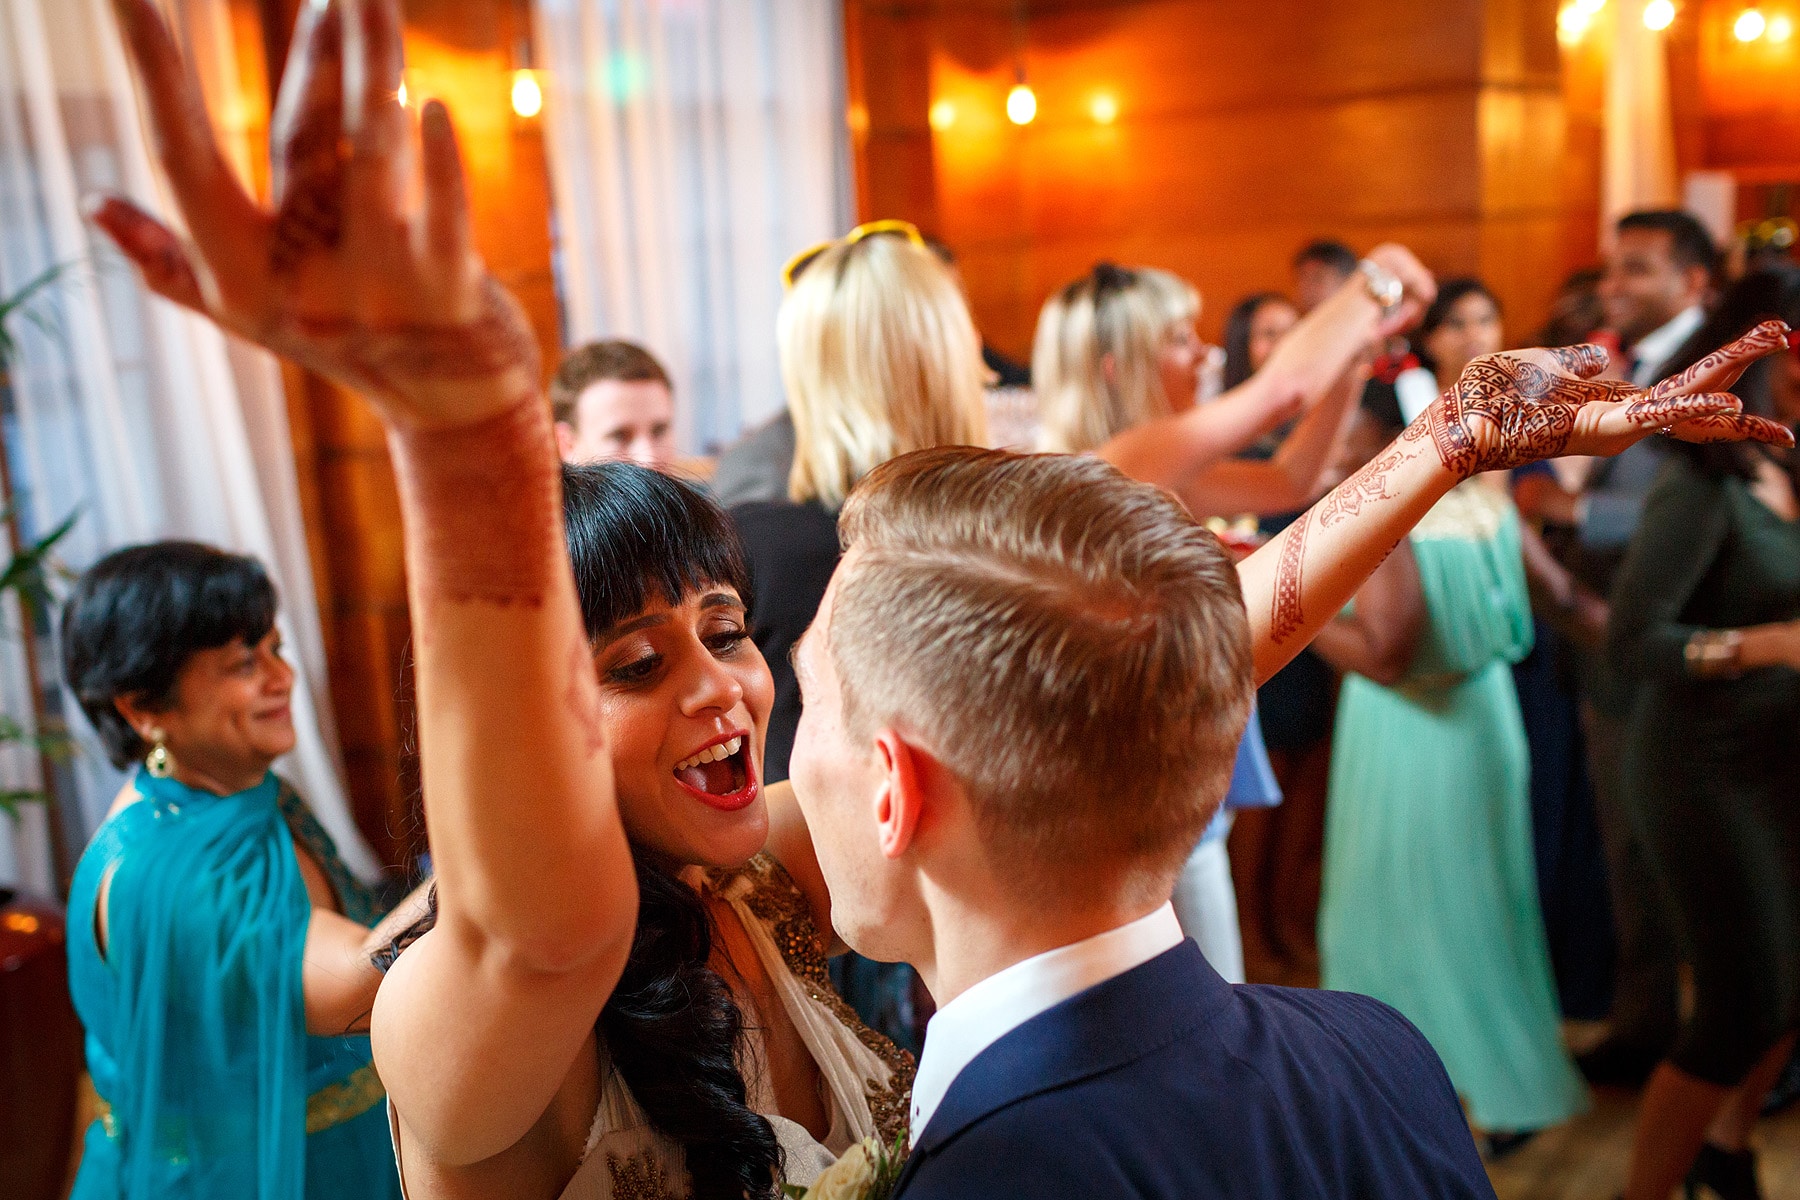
pixel 635 533
pixel 139 613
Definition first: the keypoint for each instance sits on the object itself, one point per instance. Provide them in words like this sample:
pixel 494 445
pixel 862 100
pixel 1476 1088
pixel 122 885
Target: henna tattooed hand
pixel 365 270
pixel 1510 409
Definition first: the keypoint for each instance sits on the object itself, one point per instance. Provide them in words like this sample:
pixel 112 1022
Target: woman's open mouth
pixel 721 774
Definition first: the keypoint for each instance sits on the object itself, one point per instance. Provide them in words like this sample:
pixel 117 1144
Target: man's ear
pixel 565 440
pixel 908 787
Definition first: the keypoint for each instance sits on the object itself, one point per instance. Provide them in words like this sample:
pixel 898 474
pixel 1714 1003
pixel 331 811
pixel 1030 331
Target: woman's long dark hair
pixel 1450 293
pixel 1757 297
pixel 671 1026
pixel 1237 334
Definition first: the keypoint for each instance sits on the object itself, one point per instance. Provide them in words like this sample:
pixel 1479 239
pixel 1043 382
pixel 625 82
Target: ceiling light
pixel 1021 104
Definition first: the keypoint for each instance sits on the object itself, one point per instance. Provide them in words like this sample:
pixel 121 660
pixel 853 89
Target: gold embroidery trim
pixel 777 901
pixel 344 1100
pixel 331 1105
pixel 639 1177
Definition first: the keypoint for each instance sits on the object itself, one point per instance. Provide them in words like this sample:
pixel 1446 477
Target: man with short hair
pixel 1320 268
pixel 1655 286
pixel 1654 291
pixel 1024 689
pixel 613 400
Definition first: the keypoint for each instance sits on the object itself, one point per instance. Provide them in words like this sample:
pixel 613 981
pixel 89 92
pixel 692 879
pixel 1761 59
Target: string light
pixel 1574 18
pixel 527 96
pixel 1659 14
pixel 1781 28
pixel 942 115
pixel 1021 104
pixel 1749 25
pixel 402 93
pixel 1104 108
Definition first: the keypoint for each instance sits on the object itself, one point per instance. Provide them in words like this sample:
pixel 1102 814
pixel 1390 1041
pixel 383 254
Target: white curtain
pixel 694 145
pixel 144 419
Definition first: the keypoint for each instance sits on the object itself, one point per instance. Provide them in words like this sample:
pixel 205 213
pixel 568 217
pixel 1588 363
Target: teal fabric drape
pixel 195 1015
pixel 1430 891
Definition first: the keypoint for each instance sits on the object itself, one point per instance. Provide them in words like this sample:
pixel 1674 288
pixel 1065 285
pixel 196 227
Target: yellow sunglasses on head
pixel 797 265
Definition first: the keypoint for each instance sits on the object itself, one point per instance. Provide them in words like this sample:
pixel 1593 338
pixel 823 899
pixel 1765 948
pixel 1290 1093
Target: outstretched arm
pixel 1505 411
pixel 1295 476
pixel 1315 354
pixel 366 272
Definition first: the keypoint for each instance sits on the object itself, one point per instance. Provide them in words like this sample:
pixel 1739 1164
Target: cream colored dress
pixel 866 1079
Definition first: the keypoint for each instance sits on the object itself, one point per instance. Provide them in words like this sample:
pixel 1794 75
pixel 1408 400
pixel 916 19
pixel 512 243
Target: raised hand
pixel 365 270
pixel 1510 409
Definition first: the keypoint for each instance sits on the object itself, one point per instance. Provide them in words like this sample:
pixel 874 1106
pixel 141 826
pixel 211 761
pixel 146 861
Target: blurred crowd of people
pixel 1536 769
pixel 1470 797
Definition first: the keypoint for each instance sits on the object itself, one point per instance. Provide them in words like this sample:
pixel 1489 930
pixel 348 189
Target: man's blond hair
pixel 1070 643
pixel 879 356
pixel 1117 312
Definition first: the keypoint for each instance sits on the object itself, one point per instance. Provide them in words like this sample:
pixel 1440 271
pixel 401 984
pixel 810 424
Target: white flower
pixel 850 1177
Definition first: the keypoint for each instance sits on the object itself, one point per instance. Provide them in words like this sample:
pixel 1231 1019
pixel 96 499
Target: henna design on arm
pixel 1286 616
pixel 1367 486
pixel 488 498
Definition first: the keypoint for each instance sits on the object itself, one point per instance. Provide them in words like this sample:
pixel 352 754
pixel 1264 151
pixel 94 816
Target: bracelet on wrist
pixel 1715 654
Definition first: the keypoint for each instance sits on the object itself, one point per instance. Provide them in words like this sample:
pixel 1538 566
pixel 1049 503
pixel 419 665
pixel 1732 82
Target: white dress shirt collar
pixel 1002 1002
pixel 1660 344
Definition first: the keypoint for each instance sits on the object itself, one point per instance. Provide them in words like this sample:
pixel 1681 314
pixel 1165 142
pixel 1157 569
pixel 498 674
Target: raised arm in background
pixel 1504 411
pixel 365 271
pixel 1315 355
pixel 1298 473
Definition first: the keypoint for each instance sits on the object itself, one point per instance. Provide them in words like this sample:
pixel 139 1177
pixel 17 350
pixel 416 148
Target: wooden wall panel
pixel 1243 130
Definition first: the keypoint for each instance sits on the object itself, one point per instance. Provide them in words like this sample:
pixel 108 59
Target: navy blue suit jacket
pixel 1167 1082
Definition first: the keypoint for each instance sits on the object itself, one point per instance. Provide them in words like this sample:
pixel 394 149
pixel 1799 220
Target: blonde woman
pixel 879 357
pixel 1116 350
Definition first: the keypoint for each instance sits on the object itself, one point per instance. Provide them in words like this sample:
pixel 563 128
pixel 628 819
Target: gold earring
pixel 160 763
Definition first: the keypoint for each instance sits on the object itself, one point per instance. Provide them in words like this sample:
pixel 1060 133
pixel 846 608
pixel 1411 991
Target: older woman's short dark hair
pixel 140 613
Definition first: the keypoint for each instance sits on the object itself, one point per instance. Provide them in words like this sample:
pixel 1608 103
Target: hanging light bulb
pixel 1749 25
pixel 1659 14
pixel 942 115
pixel 1571 23
pixel 527 95
pixel 1021 104
pixel 1104 108
pixel 402 94
pixel 1781 28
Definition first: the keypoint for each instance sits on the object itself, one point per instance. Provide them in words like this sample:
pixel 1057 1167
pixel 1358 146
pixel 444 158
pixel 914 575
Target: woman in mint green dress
pixel 1430 895
pixel 218 948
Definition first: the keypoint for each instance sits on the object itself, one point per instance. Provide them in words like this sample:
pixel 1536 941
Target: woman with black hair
pixel 1706 620
pixel 724 1016
pixel 1252 328
pixel 218 947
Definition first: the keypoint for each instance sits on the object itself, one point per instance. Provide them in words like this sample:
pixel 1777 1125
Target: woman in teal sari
pixel 1430 891
pixel 217 944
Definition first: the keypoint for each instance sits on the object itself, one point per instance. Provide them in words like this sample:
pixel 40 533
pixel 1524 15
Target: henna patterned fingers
pixel 378 172
pixel 1720 369
pixel 214 202
pixel 307 134
pixel 159 255
pixel 1733 427
pixel 1586 360
pixel 344 276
